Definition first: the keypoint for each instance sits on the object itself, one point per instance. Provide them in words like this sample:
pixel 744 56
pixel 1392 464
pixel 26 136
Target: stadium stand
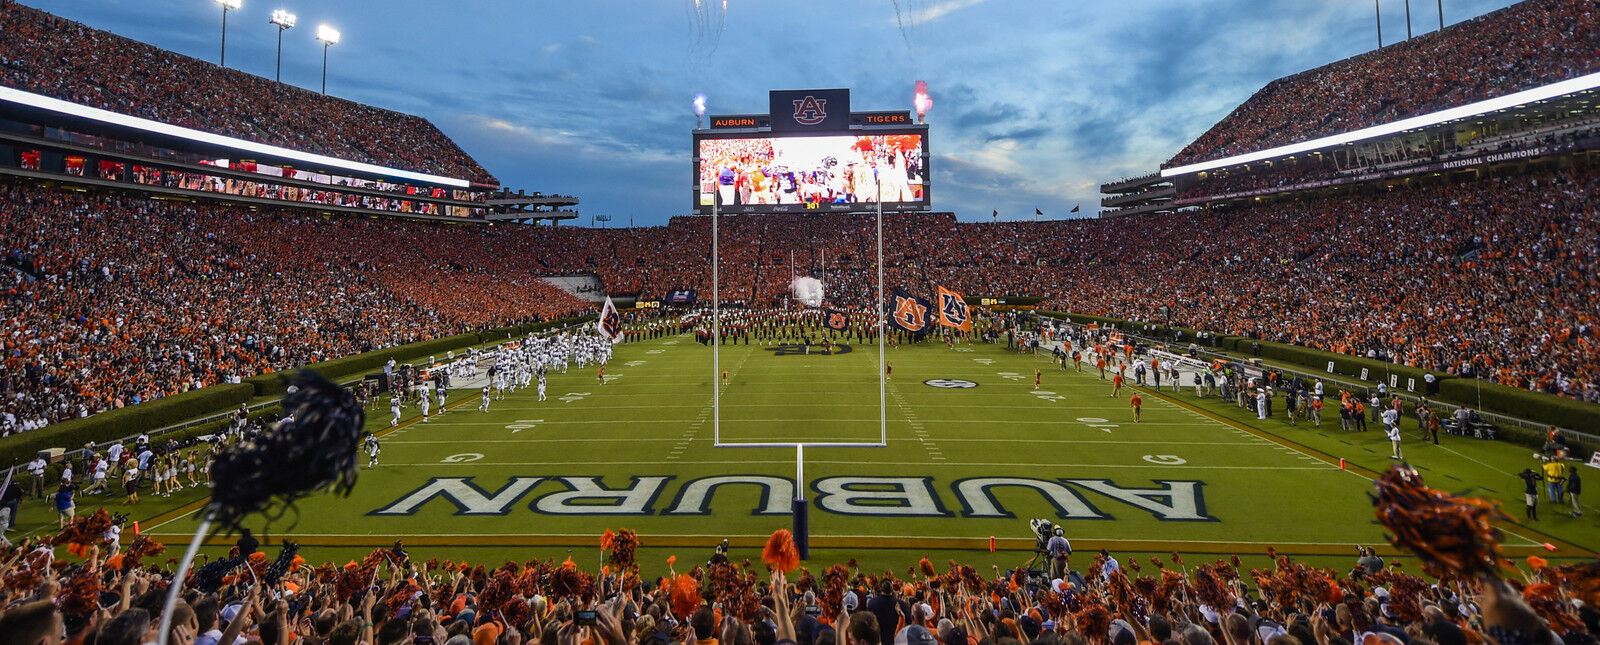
pixel 49 55
pixel 1489 278
pixel 1533 43
pixel 97 318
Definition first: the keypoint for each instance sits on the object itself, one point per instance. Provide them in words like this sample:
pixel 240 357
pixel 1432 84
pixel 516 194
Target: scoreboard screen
pixel 764 173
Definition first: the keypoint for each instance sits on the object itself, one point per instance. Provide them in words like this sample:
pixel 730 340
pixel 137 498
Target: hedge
pixel 1537 406
pixel 171 410
pixel 122 422
pixel 1523 404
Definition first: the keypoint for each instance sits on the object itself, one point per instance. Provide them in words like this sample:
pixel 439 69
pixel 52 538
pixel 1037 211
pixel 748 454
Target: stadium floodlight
pixel 328 36
pixel 222 60
pixel 284 20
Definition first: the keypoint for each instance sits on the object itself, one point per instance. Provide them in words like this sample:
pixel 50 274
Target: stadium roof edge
pixel 106 116
pixel 1569 86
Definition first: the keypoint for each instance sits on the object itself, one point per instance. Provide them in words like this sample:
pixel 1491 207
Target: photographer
pixel 1059 550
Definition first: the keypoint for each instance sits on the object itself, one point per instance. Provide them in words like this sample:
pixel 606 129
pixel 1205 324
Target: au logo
pixel 950 383
pixel 910 314
pixel 612 323
pixel 837 320
pixel 809 110
pixel 955 311
pixel 815 350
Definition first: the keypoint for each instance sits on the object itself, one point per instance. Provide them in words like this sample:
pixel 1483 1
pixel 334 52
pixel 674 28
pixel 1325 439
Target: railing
pixel 1355 385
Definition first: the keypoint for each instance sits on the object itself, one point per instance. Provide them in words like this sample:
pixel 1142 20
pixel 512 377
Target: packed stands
pixel 112 300
pixel 1487 277
pixel 49 55
pixel 1490 278
pixel 116 597
pixel 1533 43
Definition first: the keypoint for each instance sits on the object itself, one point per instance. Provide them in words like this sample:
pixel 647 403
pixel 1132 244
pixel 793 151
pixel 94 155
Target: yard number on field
pixel 1105 425
pixel 523 424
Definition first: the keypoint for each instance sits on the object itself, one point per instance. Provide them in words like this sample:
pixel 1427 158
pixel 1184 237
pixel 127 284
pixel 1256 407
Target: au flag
pixel 837 320
pixel 610 322
pixel 907 312
pixel 953 310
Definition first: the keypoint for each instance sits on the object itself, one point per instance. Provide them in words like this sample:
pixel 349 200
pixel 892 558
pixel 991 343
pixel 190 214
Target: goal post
pixel 800 507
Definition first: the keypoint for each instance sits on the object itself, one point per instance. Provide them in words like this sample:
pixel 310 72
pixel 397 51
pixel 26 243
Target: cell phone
pixel 584 617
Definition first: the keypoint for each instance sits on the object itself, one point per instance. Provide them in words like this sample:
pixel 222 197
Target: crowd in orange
pixel 126 299
pixel 108 301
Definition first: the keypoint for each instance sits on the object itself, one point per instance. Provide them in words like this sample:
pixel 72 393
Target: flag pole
pixel 883 399
pixel 716 326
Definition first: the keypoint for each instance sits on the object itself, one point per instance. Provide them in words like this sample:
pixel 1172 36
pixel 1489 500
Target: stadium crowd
pixel 1488 278
pixel 1533 43
pixel 115 596
pixel 50 55
pixel 1484 278
pixel 111 300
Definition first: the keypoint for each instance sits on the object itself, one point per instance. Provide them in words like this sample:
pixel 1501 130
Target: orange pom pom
pixel 780 551
pixel 685 595
pixel 1537 563
pixel 671 560
pixel 114 562
pixel 606 540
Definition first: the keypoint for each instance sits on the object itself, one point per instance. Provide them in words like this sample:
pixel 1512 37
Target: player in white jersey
pixel 484 405
pixel 394 411
pixel 424 399
pixel 541 387
pixel 441 398
pixel 372 450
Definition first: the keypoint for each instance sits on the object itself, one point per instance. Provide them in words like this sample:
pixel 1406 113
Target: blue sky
pixel 1035 103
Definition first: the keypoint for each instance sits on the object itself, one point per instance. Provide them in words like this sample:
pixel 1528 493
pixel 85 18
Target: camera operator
pixel 1059 549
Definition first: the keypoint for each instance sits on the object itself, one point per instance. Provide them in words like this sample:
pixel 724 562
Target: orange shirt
pixel 1117 380
pixel 1135 400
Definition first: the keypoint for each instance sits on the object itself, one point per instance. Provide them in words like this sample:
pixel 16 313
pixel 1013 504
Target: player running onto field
pixel 372 450
pixel 394 411
pixel 483 406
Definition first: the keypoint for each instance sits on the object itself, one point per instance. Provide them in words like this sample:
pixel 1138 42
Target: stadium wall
pixel 1514 402
pixel 226 397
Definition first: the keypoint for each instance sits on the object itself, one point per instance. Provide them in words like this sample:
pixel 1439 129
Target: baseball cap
pixel 915 635
pixel 1122 633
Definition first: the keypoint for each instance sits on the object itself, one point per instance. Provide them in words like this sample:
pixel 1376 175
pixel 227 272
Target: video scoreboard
pixel 809 152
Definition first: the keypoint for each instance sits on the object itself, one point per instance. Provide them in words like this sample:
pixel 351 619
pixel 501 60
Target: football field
pixel 973 450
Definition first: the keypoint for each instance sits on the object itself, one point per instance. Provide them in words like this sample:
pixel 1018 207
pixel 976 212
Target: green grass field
pixel 961 464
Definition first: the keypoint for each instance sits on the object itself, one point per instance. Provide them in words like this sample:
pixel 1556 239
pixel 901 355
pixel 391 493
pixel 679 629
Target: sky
pixel 1035 103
